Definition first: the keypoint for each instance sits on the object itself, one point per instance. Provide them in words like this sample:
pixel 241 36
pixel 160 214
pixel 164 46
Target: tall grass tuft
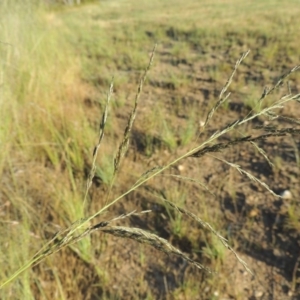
pixel 39 93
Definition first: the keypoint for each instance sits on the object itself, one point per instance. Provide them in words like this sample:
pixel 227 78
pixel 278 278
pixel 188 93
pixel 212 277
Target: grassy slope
pixel 55 74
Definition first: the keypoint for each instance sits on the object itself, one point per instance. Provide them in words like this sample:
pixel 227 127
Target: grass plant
pixel 81 227
pixel 45 84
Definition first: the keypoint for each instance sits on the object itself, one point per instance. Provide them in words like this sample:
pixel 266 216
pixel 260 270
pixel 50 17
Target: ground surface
pixel 197 47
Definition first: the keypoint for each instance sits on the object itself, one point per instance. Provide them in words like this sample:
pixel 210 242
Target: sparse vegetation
pixel 183 164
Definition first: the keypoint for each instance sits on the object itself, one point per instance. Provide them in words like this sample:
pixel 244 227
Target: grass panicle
pixel 126 137
pixel 211 229
pixel 263 153
pixel 96 149
pixel 223 98
pixel 141 236
pixel 124 144
pixel 249 175
pixel 221 146
pixel 281 80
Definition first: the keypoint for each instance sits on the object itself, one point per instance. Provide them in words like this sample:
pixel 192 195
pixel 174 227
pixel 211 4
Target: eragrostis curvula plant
pixel 88 224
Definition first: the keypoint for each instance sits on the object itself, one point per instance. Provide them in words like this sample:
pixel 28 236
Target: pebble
pixel 286 195
pixel 258 294
pixel 180 168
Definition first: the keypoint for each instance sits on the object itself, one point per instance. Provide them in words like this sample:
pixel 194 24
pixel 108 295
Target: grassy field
pixel 57 64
